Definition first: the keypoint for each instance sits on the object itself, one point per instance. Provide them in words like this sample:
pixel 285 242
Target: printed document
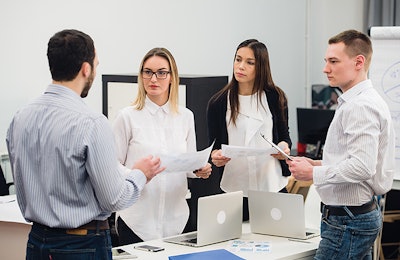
pixel 232 151
pixel 185 162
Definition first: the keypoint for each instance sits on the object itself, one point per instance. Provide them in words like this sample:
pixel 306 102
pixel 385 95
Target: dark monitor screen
pixel 324 96
pixel 313 124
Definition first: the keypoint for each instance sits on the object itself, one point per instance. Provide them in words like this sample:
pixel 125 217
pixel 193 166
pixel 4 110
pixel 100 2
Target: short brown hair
pixel 357 43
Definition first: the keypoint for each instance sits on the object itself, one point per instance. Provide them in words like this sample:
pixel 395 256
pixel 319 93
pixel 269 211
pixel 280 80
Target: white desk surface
pixel 13 229
pixel 280 248
pixel 9 210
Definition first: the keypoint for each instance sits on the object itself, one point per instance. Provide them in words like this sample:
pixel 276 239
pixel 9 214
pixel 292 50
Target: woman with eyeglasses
pixel 156 124
pixel 247 110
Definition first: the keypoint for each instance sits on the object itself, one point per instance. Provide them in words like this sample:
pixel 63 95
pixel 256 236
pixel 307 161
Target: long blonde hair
pixel 173 97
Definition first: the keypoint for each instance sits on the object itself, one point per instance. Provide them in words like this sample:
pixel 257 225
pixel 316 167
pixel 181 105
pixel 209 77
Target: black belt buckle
pixel 324 210
pixel 355 210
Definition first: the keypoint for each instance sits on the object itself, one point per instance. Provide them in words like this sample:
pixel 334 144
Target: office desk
pixel 14 229
pixel 280 248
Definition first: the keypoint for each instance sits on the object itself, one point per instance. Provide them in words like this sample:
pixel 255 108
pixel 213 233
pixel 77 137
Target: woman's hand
pixel 285 147
pixel 218 159
pixel 204 172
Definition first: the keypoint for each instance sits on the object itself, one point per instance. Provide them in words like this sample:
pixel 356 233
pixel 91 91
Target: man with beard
pixel 66 173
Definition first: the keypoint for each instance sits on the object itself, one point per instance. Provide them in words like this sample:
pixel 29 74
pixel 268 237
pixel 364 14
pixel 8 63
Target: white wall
pixel 328 18
pixel 202 35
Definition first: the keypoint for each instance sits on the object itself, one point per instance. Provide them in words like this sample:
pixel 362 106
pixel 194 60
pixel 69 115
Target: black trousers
pixel 125 235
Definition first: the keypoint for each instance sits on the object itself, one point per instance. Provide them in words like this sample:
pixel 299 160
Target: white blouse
pixel 162 209
pixel 252 172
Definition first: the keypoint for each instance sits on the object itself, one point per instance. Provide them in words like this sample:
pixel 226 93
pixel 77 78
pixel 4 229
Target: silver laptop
pixel 278 214
pixel 219 219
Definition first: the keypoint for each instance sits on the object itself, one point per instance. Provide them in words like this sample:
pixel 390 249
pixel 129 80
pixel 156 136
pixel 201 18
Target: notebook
pixel 278 214
pixel 219 219
pixel 218 254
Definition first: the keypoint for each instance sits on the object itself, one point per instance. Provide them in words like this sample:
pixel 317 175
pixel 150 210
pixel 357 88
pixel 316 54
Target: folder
pixel 209 255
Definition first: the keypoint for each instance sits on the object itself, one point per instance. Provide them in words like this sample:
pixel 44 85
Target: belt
pixel 82 230
pixel 355 210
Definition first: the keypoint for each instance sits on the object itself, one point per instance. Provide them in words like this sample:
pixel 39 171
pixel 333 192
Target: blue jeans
pixel 53 244
pixel 350 236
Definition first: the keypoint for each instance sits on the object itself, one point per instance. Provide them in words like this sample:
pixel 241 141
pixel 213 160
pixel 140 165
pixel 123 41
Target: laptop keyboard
pixel 192 240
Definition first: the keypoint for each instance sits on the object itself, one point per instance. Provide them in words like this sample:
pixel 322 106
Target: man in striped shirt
pixel 67 177
pixel 358 156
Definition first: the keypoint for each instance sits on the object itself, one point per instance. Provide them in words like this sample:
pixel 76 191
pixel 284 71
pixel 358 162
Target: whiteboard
pixel 385 75
pixel 122 94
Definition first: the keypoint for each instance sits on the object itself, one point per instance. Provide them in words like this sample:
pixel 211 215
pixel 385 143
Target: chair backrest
pixel 298 187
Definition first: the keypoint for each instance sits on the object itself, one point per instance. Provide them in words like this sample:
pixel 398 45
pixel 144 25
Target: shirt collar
pixel 354 91
pixel 154 108
pixel 63 91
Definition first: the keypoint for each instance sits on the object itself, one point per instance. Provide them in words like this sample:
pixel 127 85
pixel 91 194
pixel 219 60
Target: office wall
pixel 202 35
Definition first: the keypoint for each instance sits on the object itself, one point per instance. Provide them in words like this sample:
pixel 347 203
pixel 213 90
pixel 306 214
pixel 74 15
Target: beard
pixel 88 85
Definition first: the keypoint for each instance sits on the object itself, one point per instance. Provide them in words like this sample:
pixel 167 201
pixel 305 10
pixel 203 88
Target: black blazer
pixel 217 128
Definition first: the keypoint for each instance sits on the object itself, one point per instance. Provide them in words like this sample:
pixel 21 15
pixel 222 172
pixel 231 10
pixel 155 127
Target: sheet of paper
pixel 185 162
pixel 232 151
pixel 250 246
pixel 9 209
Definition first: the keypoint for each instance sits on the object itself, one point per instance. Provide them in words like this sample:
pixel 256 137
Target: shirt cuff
pixel 319 175
pixel 139 178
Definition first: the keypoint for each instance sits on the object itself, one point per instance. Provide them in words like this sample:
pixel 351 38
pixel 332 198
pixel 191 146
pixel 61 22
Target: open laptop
pixel 278 214
pixel 219 219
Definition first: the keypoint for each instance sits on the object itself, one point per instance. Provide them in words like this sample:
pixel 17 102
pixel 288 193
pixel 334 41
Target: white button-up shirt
pixel 162 209
pixel 252 172
pixel 359 152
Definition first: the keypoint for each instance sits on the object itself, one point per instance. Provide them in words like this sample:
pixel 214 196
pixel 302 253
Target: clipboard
pixel 277 148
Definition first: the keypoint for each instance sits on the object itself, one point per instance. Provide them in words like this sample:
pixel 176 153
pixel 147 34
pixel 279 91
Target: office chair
pixel 298 187
pixel 4 186
pixel 389 216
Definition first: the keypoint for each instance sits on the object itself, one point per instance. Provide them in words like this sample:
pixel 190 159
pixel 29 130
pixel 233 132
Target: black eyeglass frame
pixel 160 74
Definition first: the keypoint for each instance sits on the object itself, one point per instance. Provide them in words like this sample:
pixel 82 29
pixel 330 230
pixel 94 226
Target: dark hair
pixel 67 50
pixel 263 79
pixel 357 43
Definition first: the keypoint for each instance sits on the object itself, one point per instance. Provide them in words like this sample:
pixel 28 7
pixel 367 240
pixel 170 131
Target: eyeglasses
pixel 161 74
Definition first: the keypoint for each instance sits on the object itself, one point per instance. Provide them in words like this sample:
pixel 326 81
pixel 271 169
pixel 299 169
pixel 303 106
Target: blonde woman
pixel 155 124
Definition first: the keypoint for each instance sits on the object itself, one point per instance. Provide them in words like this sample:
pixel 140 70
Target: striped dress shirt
pixel 64 162
pixel 359 153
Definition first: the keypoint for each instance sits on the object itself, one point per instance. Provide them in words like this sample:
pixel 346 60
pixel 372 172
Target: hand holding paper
pixel 277 148
pixel 185 162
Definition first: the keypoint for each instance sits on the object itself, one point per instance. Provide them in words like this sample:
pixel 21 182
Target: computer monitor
pixel 312 127
pixel 324 96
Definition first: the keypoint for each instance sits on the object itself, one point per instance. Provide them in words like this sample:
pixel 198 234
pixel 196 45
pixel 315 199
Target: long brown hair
pixel 263 80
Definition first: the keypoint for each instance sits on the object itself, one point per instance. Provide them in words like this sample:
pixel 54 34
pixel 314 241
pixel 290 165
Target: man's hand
pixel 150 166
pixel 301 168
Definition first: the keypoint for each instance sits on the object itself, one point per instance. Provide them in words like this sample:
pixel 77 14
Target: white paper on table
pixel 249 246
pixel 232 151
pixel 185 162
pixel 9 209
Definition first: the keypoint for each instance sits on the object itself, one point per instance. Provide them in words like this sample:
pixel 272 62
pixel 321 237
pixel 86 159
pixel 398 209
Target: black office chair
pixel 4 186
